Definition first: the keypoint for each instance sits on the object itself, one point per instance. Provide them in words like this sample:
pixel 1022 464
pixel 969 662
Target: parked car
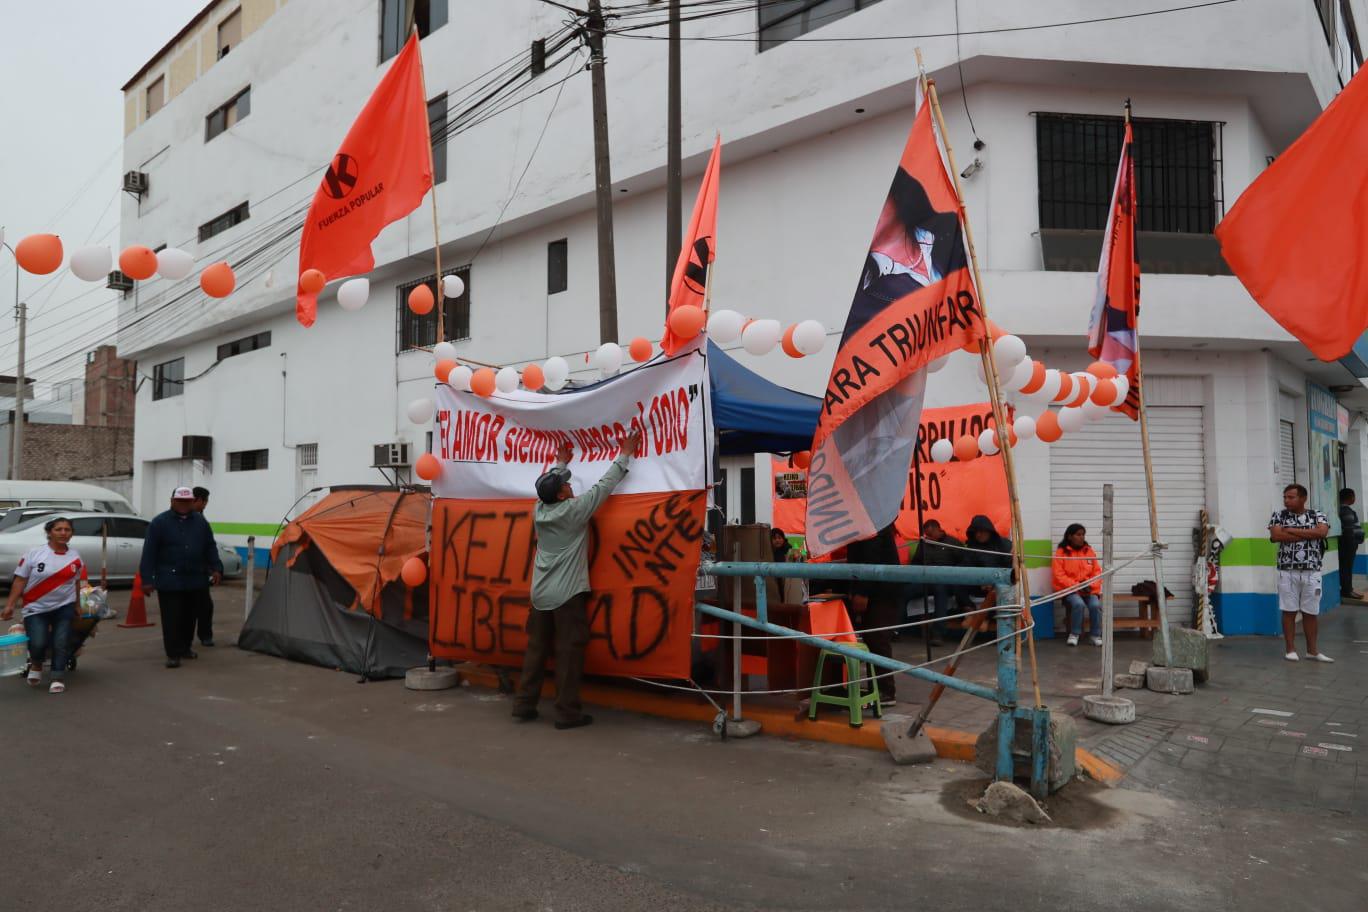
pixel 123 554
pixel 68 495
pixel 16 515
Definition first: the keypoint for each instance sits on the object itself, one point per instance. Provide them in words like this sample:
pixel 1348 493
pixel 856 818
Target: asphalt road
pixel 245 782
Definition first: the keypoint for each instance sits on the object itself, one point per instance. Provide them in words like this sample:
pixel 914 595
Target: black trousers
pixel 883 611
pixel 204 618
pixel 1346 562
pixel 179 611
pixel 566 629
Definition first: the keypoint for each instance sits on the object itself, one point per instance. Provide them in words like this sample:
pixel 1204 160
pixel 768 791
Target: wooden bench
pixel 1145 620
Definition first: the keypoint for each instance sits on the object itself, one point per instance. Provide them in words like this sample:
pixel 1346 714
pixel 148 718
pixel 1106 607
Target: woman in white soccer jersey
pixel 48 580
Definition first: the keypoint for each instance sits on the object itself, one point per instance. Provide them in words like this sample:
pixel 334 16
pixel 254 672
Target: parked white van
pixel 67 495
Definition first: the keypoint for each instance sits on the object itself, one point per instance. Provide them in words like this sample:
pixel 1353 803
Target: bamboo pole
pixel 436 241
pixel 994 387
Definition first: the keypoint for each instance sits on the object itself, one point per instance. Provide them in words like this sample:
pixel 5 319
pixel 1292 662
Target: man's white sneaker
pixel 1320 657
pixel 1292 657
pixel 1073 639
pixel 1097 641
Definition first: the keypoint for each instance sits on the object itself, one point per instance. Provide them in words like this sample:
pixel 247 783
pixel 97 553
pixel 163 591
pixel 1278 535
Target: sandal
pixel 56 687
pixel 34 678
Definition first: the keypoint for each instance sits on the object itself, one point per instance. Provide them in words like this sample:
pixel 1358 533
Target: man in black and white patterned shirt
pixel 1300 534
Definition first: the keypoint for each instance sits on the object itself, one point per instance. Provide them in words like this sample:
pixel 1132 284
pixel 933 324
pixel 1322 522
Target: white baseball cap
pixel 182 494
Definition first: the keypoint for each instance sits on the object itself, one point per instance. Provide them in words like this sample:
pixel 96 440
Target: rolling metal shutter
pixel 1287 456
pixel 1109 452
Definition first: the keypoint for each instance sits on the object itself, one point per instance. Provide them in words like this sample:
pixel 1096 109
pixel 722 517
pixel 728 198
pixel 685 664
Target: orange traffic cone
pixel 137 606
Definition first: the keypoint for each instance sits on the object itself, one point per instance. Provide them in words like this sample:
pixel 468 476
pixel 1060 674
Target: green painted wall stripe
pixel 1260 552
pixel 1040 547
pixel 268 530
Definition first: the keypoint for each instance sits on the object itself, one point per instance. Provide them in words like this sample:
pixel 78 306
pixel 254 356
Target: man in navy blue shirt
pixel 180 561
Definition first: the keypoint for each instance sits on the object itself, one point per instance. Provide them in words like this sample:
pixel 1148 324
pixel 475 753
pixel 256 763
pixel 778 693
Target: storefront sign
pixel 1323 434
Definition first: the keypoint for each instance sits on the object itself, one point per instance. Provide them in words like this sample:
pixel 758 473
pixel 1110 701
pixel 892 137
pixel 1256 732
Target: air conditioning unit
pixel 193 447
pixel 391 456
pixel 135 182
pixel 119 282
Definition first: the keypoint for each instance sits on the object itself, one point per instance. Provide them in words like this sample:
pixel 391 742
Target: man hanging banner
pixel 645 542
pixel 915 302
pixel 380 174
pixel 952 492
pixel 1112 327
pixel 690 279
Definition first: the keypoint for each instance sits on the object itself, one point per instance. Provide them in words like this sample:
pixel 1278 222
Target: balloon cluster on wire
pixel 42 254
pixel 1087 395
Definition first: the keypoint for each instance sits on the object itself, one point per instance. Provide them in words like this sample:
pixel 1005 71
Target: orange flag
pixel 691 270
pixel 379 175
pixel 1296 237
pixel 1113 329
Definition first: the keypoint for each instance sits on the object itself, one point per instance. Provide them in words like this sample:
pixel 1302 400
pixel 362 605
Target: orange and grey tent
pixel 333 596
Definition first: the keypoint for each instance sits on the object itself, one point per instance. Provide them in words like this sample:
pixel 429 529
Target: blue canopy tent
pixel 753 415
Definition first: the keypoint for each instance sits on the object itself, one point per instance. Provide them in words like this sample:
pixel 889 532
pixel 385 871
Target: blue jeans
pixel 51 630
pixel 1075 604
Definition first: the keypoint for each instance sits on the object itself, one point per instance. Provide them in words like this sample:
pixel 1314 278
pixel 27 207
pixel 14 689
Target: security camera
pixel 974 167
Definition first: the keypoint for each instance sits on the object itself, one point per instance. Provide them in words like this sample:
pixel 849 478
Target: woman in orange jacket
pixel 1074 562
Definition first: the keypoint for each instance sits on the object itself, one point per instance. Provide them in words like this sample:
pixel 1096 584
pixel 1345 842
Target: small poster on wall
pixel 1323 426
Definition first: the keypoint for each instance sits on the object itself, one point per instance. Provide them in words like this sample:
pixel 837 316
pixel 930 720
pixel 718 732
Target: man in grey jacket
pixel 560 585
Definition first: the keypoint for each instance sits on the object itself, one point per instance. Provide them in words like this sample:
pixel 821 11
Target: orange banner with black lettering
pixel 643 562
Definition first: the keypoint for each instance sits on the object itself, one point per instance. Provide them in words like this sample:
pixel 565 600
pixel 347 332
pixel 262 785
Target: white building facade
pixel 249 404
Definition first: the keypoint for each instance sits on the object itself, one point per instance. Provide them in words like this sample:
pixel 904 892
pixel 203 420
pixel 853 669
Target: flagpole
pixel 1160 598
pixel 994 388
pixel 436 241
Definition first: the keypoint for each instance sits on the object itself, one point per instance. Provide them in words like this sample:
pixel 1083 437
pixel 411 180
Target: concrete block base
pixel 1169 680
pixel 1111 710
pixel 1133 681
pixel 421 678
pixel 742 728
pixel 1139 668
pixel 1008 802
pixel 1060 768
pixel 1189 649
pixel 901 748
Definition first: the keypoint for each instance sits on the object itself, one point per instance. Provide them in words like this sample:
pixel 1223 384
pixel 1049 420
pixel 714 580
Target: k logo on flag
pixel 341 177
pixel 696 273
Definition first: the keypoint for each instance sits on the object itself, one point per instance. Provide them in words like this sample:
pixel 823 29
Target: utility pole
pixel 674 230
pixel 17 438
pixel 603 179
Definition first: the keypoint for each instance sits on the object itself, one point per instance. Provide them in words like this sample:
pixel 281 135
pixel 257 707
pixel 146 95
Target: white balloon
pixel 761 336
pixel 1025 427
pixel 420 411
pixel 1050 388
pixel 1071 419
pixel 938 364
pixel 1122 388
pixel 353 293
pixel 444 351
pixel 1082 380
pixel 557 384
pixel 506 380
pixel 91 264
pixel 809 336
pixel 1020 376
pixel 1095 412
pixel 174 263
pixel 557 371
pixel 608 358
pixel 942 451
pixel 459 378
pixel 452 286
pixel 725 326
pixel 987 445
pixel 1008 352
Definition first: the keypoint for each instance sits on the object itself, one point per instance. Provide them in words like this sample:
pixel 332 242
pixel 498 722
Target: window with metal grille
pixel 786 19
pixel 395 24
pixel 244 345
pixel 557 266
pixel 248 460
pixel 168 379
pixel 219 224
pixel 417 331
pixel 437 124
pixel 307 454
pixel 227 114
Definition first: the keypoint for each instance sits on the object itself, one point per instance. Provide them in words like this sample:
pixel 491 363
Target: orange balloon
pixel 420 300
pixel 966 447
pixel 787 343
pixel 217 280
pixel 686 321
pixel 1047 427
pixel 138 262
pixel 640 349
pixel 802 459
pixel 1037 378
pixel 1104 394
pixel 1066 388
pixel 443 369
pixel 427 467
pixel 482 382
pixel 533 377
pixel 1011 436
pixel 1101 370
pixel 39 254
pixel 311 281
pixel 414 572
pixel 1082 391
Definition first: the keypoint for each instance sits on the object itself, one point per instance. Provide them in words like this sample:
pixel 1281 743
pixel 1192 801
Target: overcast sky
pixel 61 134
